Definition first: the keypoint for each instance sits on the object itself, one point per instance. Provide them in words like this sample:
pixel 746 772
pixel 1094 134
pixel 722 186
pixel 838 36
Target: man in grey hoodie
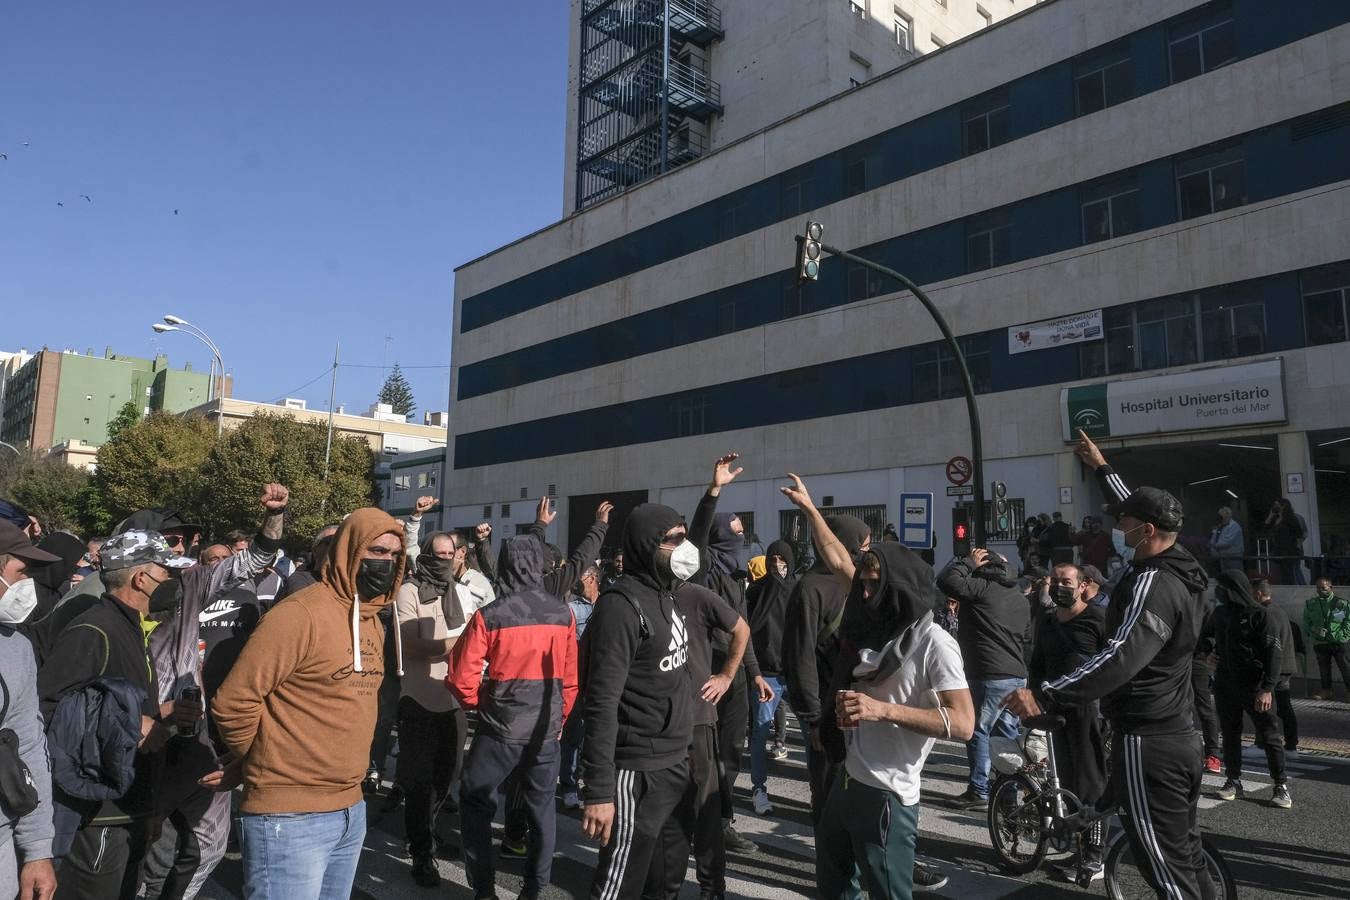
pixel 25 840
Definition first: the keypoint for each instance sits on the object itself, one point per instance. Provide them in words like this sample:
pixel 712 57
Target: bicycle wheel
pixel 1125 880
pixel 1018 828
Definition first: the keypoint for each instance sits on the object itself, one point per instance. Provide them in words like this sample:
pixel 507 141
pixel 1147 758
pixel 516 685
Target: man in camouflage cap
pixel 110 640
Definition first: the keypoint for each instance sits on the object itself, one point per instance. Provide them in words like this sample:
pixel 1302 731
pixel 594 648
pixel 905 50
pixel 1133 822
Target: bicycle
pixel 1030 814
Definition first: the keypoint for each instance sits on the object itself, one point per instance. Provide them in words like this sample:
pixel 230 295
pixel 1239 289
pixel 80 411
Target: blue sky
pixel 331 163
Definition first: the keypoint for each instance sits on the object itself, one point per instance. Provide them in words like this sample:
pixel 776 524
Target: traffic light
pixel 1002 513
pixel 808 252
pixel 961 531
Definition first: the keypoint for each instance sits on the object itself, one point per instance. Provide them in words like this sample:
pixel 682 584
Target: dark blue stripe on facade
pixel 882 380
pixel 1038 101
pixel 1279 160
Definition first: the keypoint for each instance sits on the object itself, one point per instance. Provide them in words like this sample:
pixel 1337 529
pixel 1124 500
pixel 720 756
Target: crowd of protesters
pixel 171 689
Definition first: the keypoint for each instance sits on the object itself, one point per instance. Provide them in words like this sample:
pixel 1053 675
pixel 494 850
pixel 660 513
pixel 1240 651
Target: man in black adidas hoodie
pixel 1143 678
pixel 638 702
pixel 815 611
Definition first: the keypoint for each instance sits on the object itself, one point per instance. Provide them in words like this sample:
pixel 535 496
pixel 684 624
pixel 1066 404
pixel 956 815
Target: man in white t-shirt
pixel 900 684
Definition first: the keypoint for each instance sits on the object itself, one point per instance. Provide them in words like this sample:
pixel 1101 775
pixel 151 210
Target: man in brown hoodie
pixel 299 709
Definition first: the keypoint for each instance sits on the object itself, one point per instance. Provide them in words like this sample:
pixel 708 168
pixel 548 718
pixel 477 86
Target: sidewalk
pixel 1323 727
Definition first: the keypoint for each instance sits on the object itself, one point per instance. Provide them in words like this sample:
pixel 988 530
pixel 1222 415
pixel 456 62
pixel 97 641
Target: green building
pixel 69 398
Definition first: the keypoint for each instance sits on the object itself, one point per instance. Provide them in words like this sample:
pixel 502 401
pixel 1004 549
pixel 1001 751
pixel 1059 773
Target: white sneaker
pixel 760 800
pixel 571 800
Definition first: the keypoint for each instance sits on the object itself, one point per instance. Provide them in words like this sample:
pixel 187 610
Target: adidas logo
pixel 679 645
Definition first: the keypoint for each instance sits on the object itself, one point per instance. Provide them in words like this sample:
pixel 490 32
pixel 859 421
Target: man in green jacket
pixel 1326 622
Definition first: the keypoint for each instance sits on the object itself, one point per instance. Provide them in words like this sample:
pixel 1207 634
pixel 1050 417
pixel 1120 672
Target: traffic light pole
pixel 976 444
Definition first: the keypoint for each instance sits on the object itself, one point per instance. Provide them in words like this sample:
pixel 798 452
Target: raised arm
pixel 1112 484
pixel 836 555
pixel 412 528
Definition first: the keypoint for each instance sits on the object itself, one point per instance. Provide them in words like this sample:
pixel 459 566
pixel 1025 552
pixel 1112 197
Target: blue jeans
pixel 302 856
pixel 991 719
pixel 762 715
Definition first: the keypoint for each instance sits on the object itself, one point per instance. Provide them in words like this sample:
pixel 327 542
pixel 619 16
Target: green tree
pixel 155 462
pixel 398 393
pixel 278 448
pixel 48 488
pixel 127 416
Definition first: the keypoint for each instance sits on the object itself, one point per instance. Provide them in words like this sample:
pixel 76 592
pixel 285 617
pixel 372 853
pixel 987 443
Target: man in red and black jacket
pixel 528 640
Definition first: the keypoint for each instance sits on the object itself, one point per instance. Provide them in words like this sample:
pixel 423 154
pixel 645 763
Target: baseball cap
pixel 1092 573
pixel 137 548
pixel 15 543
pixel 1150 504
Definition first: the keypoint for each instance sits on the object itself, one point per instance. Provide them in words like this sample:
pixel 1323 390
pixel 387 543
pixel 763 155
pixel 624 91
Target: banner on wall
pixel 1219 397
pixel 1074 329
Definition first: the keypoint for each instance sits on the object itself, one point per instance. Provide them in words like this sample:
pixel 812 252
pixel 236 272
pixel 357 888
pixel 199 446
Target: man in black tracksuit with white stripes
pixel 1143 678
pixel 638 702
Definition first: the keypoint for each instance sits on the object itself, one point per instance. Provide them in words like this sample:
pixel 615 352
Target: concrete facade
pixel 411 475
pixel 778 58
pixel 868 458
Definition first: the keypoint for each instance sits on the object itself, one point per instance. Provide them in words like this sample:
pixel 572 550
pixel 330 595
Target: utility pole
pixel 328 446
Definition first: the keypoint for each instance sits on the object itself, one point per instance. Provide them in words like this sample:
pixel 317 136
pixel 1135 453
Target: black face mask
pixel 1063 596
pixel 166 596
pixel 375 578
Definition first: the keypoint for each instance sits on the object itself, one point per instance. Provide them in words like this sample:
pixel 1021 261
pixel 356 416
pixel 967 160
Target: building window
pixel 1103 87
pixel 1202 50
pixel 402 484
pixel 1229 330
pixel 487 512
pixel 691 415
pixel 421 479
pixel 1326 298
pixel 431 478
pixel 858 9
pixel 863 283
pixel 984 14
pixel 904 32
pixel 989 127
pixel 989 247
pixel 1111 216
pixel 506 510
pixel 936 375
pixel 1211 183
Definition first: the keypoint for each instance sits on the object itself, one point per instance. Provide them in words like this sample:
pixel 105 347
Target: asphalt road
pixel 1303 852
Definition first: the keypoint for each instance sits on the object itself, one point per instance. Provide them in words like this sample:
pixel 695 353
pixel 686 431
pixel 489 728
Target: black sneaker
pixel 971 800
pixel 514 849
pixel 735 843
pixel 424 871
pixel 926 879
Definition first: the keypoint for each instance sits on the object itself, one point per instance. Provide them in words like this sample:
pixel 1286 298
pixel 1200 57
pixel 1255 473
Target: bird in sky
pixel 87 198
pixel 59 203
pixel 4 156
pixel 175 212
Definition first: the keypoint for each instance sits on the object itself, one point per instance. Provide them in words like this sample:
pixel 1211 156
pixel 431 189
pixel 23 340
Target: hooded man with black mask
pixel 720 539
pixel 897 686
pixel 526 640
pixel 993 632
pixel 815 611
pixel 767 603
pixel 636 773
pixel 1250 655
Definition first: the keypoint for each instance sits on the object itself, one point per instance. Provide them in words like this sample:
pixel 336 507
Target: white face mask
pixel 782 569
pixel 18 601
pixel 684 561
pixel 1123 550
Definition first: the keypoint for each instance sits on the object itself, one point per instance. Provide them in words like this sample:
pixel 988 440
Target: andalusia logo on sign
pixel 1088 410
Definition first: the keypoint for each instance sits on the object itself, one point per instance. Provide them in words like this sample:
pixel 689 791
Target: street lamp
pixel 174 323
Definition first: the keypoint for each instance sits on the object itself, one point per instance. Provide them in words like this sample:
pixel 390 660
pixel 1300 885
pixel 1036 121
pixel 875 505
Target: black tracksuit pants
pixel 1155 779
pixel 1232 702
pixel 733 720
pixel 431 751
pixel 698 819
pixel 643 801
pixel 1206 719
pixel 104 863
pixel 1284 708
